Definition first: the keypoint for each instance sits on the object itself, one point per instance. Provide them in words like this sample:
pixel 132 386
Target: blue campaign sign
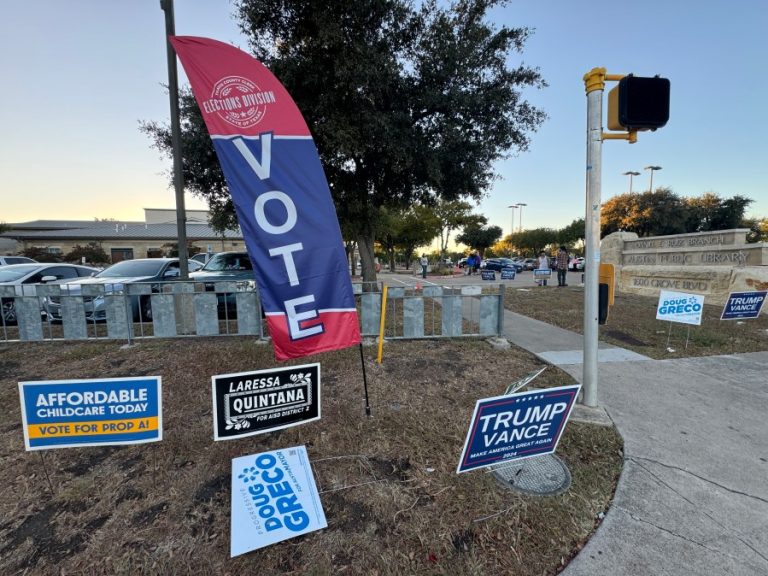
pixel 488 275
pixel 743 305
pixel 507 273
pixel 516 426
pixel 69 413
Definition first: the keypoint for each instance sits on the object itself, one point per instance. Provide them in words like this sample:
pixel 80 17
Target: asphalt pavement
pixel 692 498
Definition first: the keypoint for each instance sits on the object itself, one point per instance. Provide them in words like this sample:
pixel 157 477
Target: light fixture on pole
pixel 520 205
pixel 652 169
pixel 630 174
pixel 513 206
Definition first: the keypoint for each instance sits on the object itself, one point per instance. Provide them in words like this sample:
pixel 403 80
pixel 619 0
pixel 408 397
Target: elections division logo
pixel 249 403
pixel 238 101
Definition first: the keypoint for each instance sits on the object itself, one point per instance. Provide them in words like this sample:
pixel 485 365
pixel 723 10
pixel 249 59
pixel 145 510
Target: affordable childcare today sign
pixel 69 413
pixel 680 307
pixel 517 426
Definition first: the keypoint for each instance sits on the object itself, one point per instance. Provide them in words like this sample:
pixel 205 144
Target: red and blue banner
pixel 281 197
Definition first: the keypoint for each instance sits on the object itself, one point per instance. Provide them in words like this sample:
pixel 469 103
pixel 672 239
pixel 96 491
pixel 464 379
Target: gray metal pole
pixel 595 85
pixel 178 175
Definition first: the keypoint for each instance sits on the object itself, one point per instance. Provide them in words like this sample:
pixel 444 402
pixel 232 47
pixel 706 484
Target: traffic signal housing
pixel 638 103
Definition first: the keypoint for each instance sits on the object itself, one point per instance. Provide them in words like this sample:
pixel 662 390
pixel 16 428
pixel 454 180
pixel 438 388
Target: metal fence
pixel 189 309
pixel 433 311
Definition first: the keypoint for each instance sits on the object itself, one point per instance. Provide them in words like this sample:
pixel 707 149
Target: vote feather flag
pixel 281 197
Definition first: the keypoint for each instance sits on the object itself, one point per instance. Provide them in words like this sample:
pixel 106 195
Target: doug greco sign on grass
pixel 251 403
pixel 68 413
pixel 274 497
pixel 680 307
pixel 517 426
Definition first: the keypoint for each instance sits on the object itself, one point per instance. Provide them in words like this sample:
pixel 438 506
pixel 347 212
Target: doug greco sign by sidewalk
pixel 516 426
pixel 680 307
pixel 251 403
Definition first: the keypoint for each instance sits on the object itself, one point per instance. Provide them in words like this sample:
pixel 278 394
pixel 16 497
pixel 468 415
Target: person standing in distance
pixel 424 263
pixel 562 266
pixel 543 264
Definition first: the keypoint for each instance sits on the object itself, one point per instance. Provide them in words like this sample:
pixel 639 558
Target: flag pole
pixel 178 175
pixel 365 382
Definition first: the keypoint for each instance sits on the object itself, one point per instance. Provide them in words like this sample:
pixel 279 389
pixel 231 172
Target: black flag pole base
pixel 365 382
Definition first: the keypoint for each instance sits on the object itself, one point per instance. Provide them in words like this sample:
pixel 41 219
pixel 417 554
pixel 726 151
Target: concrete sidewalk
pixel 693 495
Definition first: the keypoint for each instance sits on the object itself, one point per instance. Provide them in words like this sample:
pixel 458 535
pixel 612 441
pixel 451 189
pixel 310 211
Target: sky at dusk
pixel 80 75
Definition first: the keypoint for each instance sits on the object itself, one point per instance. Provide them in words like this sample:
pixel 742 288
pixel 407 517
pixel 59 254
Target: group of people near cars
pixel 472 265
pixel 560 264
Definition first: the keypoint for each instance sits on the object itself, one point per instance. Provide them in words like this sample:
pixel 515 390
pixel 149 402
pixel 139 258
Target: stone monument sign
pixel 710 263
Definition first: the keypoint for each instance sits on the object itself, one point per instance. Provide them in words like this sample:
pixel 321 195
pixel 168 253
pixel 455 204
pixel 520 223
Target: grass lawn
pixel 632 323
pixel 393 501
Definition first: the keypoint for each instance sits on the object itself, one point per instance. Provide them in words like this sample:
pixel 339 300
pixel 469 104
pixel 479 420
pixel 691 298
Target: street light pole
pixel 652 169
pixel 513 206
pixel 520 205
pixel 630 174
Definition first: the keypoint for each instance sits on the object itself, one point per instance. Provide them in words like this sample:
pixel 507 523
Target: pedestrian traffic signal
pixel 638 103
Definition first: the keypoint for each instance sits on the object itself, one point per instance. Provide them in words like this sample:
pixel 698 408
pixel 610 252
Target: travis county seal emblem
pixel 238 101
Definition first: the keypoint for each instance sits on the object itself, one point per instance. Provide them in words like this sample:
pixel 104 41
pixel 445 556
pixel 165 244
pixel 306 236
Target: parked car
pixel 530 264
pixel 576 264
pixel 462 262
pixel 203 257
pixel 21 275
pixel 227 267
pixel 114 279
pixel 7 260
pixel 498 263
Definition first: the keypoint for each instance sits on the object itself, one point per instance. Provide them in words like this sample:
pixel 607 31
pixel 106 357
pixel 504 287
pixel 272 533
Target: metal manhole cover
pixel 545 475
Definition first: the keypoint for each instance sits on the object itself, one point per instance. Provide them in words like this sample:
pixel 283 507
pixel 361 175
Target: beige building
pixel 121 240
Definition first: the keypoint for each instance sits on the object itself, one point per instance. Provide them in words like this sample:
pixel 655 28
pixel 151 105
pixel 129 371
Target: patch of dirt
pixel 624 338
pixel 387 482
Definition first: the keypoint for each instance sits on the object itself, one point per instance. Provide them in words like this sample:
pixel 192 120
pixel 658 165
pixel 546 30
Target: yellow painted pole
pixel 381 324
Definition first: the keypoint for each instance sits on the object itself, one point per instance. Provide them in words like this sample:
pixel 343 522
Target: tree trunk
pixel 391 260
pixel 365 245
pixel 349 248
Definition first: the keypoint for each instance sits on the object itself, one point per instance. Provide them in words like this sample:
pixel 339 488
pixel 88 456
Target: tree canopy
pixel 405 104
pixel 535 240
pixel 406 231
pixel 663 212
pixel 92 252
pixel 479 236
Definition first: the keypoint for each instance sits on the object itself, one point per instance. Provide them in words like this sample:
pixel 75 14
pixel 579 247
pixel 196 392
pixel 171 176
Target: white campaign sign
pixel 680 307
pixel 274 497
